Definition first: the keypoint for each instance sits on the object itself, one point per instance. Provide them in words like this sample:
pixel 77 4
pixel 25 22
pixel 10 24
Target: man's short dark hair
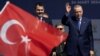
pixel 39 3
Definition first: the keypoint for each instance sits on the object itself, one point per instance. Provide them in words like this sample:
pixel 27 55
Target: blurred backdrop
pixel 56 9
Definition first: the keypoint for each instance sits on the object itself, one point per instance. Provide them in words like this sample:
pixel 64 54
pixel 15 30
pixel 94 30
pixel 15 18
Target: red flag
pixel 22 34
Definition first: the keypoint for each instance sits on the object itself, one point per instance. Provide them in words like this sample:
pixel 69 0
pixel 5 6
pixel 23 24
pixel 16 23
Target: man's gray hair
pixel 77 6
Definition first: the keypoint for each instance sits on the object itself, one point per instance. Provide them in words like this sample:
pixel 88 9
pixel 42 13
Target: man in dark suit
pixel 41 14
pixel 80 40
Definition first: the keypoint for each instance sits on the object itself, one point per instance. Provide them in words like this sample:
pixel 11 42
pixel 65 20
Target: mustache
pixel 41 13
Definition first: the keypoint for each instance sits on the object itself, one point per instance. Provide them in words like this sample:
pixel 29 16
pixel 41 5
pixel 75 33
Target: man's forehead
pixel 78 9
pixel 60 26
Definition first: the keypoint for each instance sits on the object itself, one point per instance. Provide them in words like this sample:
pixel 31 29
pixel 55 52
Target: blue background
pixel 56 8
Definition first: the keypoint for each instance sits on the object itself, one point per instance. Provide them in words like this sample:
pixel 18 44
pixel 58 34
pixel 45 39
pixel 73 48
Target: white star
pixel 25 39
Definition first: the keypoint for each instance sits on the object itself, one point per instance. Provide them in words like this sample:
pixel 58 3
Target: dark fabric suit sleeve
pixel 65 19
pixel 50 22
pixel 91 36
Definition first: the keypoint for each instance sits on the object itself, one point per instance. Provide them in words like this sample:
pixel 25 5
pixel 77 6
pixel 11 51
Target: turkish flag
pixel 22 34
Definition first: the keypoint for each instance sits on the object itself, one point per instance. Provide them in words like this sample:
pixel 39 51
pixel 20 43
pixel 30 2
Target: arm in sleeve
pixel 65 19
pixel 91 36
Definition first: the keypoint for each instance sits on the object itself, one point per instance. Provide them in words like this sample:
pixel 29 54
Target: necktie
pixel 79 24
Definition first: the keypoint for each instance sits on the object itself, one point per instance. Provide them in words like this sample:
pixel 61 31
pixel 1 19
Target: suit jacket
pixel 47 20
pixel 78 39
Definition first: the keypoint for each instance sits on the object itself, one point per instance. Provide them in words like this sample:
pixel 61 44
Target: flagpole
pixel 4 7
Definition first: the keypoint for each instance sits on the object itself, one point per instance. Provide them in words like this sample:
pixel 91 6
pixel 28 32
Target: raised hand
pixel 68 8
pixel 45 15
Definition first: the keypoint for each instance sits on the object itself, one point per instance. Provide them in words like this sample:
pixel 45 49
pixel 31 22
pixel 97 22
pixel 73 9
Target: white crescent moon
pixel 5 28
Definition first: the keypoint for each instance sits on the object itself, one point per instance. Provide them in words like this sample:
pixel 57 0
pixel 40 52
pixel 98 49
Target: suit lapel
pixel 75 24
pixel 83 25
